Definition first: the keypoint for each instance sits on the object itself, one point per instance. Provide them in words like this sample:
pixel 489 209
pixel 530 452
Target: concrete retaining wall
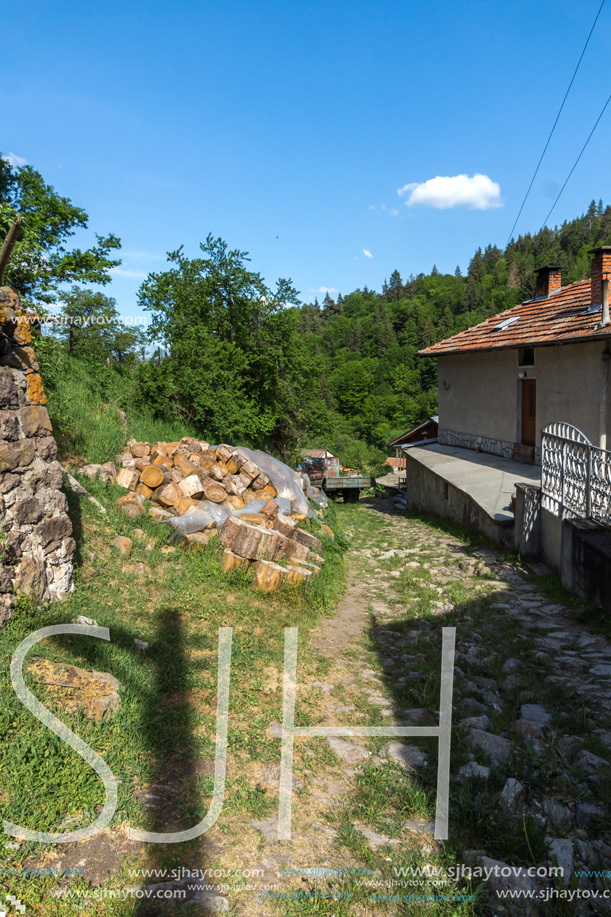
pixel 427 492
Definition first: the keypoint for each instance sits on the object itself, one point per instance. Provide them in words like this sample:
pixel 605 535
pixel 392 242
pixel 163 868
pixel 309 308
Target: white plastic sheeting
pixel 290 498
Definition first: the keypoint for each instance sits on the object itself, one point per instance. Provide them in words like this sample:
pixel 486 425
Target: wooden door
pixel 529 411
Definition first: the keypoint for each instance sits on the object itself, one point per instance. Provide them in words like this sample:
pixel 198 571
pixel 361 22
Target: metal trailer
pixel 350 486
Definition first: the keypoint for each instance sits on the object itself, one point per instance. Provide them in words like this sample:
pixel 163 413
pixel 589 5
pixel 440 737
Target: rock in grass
pixel 561 853
pixel 348 752
pixel 498 749
pixel 406 756
pixel 374 839
pixel 123 545
pixel 473 771
pixel 512 791
pixel 95 693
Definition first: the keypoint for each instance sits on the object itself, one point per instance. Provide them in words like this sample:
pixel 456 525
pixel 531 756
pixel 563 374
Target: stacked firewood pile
pixel 177 476
pixel 205 491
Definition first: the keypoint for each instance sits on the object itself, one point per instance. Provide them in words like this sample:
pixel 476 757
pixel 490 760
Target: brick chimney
pixel 601 270
pixel 549 279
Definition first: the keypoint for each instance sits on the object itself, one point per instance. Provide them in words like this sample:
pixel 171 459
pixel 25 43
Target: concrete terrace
pixel 472 488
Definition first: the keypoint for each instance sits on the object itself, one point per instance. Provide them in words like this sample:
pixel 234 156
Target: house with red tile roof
pixel 546 360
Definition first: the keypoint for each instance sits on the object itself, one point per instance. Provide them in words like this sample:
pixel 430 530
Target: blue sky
pixel 288 128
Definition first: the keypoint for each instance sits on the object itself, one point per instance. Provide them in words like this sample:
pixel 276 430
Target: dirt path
pixel 531 744
pixel 530 738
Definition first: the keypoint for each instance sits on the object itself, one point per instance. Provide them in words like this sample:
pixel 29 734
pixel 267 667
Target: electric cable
pixel 532 181
pixel 577 161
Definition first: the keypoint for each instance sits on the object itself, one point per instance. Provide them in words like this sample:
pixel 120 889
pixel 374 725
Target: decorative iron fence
pixel 575 475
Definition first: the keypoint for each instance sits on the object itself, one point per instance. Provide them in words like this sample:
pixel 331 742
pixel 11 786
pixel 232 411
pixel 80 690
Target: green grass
pixel 591 615
pixel 175 602
pixel 94 409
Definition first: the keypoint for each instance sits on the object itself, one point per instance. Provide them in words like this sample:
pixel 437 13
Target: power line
pixel 577 160
pixel 532 181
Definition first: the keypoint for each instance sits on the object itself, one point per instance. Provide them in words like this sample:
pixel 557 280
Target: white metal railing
pixel 575 475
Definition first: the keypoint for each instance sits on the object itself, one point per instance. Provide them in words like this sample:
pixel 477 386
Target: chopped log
pixel 260 481
pixel 208 455
pixel 161 458
pixel 130 506
pixel 146 492
pixel 329 531
pixel 152 476
pixel 300 517
pixel 159 514
pixel 285 525
pixel 269 576
pixel 214 492
pixel 197 540
pixel 223 453
pixel 234 502
pixel 111 468
pixel 191 443
pixel 128 478
pixel 141 463
pixel 254 542
pixel 168 495
pixel 160 448
pixel 192 487
pixel 139 450
pixel 270 509
pixel 309 540
pixel 232 466
pixel 249 495
pixel 217 471
pixel 175 476
pixel 250 470
pixel 231 562
pixel 243 483
pixel 183 504
pixel 172 447
pixel 253 518
pixel 296 551
pixel 269 491
pixel 125 459
pixel 184 466
pixel 299 576
pixel 196 459
pixel 304 565
pixel 316 559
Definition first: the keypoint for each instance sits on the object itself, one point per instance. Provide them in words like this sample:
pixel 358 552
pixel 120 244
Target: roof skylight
pixel 505 323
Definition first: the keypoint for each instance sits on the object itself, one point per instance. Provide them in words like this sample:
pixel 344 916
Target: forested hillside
pixel 241 362
pixel 229 357
pixel 365 344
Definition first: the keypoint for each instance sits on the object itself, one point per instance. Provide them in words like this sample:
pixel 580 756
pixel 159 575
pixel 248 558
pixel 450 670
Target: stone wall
pixel 501 447
pixel 36 544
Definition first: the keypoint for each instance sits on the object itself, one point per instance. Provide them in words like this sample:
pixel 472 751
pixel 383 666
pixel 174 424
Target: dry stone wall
pixel 36 544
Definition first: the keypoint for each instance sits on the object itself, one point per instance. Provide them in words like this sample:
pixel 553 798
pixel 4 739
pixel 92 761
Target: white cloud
pixel 122 272
pixel 15 161
pixel 477 192
pixel 367 253
pixel 144 256
pixel 324 290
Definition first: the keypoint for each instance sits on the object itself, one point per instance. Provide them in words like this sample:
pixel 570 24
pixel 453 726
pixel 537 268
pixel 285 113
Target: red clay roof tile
pixel 559 319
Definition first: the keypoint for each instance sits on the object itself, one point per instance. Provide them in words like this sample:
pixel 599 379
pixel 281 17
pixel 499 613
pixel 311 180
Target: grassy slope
pixel 175 601
pixel 93 408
